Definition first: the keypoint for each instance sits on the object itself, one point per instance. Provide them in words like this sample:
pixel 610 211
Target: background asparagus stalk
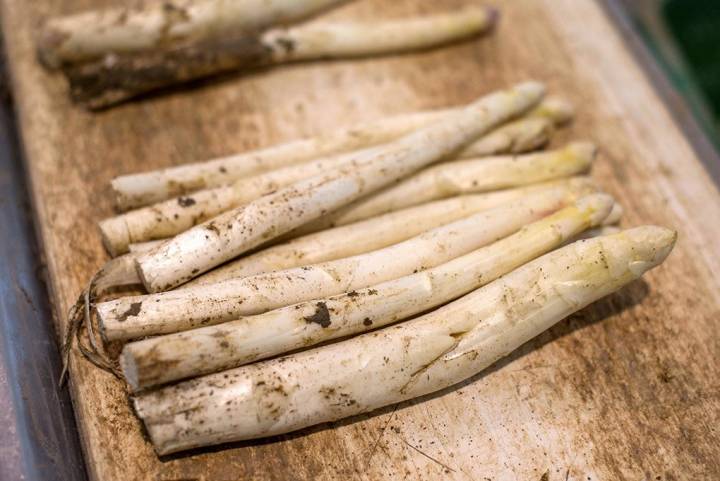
pixel 378 232
pixel 201 351
pixel 239 230
pixel 398 363
pixel 462 177
pixel 101 83
pixel 136 190
pixel 97 33
pixel 182 309
pixel 171 217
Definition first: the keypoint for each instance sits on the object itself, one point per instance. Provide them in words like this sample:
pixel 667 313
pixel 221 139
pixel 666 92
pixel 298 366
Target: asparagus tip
pixel 654 243
pixel 559 110
pixel 530 88
pixel 115 235
pixel 597 205
pixel 583 151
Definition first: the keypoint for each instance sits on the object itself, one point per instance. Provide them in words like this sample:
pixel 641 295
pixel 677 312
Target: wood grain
pixel 626 389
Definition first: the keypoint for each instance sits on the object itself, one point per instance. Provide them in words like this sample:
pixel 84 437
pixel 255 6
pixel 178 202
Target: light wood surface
pixel 626 389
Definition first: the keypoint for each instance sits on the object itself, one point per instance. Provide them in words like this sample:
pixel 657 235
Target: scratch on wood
pixel 377 440
pixel 427 455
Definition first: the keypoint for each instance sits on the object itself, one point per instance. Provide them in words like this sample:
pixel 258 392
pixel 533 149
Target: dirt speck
pixel 132 311
pixel 321 315
pixel 186 201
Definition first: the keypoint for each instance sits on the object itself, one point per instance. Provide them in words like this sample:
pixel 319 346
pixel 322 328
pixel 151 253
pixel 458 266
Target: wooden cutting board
pixel 626 389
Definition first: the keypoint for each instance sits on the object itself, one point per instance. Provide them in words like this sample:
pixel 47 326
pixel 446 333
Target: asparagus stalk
pixel 182 309
pixel 200 351
pixel 239 230
pixel 171 217
pixel 95 34
pixel 105 82
pixel 401 362
pixel 378 232
pixel 137 190
pixel 462 177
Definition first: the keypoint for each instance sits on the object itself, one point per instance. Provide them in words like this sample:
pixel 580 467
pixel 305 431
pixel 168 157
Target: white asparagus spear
pixel 182 309
pixel 433 352
pixel 239 230
pixel 378 232
pixel 360 39
pixel 462 177
pixel 104 82
pixel 93 34
pixel 164 359
pixel 171 217
pixel 136 190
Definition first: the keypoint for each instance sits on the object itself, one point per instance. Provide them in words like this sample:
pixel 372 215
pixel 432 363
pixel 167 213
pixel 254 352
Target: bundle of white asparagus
pixel 115 54
pixel 266 254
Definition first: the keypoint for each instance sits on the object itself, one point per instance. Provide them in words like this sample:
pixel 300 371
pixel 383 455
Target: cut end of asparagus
pixel 140 189
pixel 115 235
pixel 129 369
pixel 47 44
